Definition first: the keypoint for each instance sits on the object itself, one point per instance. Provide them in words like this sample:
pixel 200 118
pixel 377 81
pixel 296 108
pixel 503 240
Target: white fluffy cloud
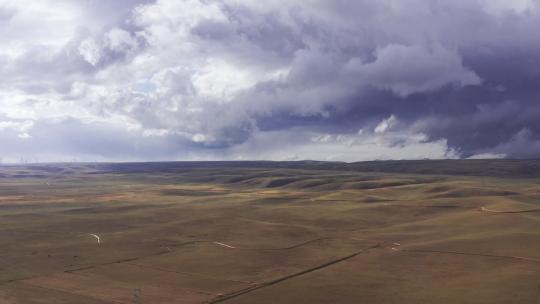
pixel 305 144
pixel 21 128
pixel 386 124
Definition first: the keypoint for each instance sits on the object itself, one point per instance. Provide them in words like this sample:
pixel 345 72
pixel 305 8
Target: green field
pixel 263 232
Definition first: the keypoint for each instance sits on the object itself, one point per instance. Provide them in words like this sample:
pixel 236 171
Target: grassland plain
pixel 264 232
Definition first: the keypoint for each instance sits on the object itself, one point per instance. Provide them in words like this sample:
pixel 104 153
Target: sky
pixel 142 80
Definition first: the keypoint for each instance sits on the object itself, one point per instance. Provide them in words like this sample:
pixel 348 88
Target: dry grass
pixel 300 236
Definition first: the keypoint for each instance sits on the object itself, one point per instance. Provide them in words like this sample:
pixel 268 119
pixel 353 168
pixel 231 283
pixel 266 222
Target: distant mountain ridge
pixel 496 168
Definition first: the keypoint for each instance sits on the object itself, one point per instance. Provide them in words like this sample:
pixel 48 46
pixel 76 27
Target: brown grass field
pixel 265 233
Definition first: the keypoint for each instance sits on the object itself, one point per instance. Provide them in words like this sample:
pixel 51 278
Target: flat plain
pixel 264 232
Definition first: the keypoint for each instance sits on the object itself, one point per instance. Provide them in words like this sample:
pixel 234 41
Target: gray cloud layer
pixel 239 79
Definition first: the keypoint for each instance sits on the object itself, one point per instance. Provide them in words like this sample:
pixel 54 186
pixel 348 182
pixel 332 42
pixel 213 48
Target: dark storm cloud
pixel 452 71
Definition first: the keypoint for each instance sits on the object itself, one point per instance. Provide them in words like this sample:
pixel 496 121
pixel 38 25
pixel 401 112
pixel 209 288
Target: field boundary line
pixel 466 253
pixel 484 209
